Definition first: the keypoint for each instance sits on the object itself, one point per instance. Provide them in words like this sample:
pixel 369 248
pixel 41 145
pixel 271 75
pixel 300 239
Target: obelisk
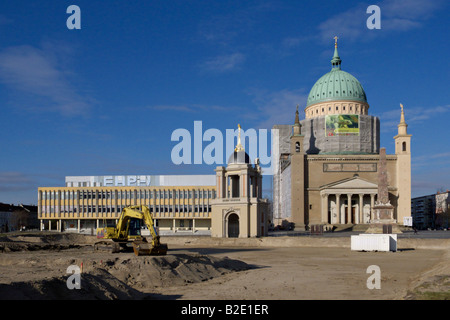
pixel 383 210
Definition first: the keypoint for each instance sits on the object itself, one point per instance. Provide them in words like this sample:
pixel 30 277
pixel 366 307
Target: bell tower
pixel 403 152
pixel 298 213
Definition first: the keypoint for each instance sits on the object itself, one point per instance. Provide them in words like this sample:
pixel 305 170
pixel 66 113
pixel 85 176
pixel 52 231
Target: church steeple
pixel 336 61
pixel 297 125
pixel 402 125
pixel 402 139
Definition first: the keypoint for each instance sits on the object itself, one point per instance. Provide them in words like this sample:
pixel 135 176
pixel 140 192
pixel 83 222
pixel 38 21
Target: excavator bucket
pixel 144 248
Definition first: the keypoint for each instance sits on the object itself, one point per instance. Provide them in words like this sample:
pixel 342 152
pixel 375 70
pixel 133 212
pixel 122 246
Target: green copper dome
pixel 336 85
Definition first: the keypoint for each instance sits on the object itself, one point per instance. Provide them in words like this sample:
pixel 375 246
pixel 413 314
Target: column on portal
pixel 360 218
pixel 259 179
pixel 338 208
pixel 244 185
pixel 372 204
pixel 219 186
pixel 253 187
pixel 324 207
pixel 227 186
pixel 231 187
pixel 349 208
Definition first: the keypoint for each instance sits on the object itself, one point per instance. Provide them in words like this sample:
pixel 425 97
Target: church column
pixel 360 218
pixel 324 208
pixel 338 208
pixel 372 204
pixel 349 208
pixel 358 215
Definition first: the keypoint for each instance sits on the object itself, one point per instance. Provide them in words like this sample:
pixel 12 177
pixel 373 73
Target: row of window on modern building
pixel 129 194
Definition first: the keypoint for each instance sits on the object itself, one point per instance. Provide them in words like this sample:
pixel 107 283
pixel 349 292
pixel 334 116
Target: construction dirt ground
pixel 35 266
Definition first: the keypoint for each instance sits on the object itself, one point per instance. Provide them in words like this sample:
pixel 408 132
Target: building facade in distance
pixel 180 204
pixel 239 210
pixel 326 167
pixel 431 211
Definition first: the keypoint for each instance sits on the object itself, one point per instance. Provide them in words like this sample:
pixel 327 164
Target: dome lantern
pixel 336 61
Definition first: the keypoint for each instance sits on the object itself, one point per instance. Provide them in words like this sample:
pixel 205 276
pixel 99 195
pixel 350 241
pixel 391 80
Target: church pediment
pixel 351 183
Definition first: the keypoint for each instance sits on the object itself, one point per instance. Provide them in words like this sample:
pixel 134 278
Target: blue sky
pixel 105 99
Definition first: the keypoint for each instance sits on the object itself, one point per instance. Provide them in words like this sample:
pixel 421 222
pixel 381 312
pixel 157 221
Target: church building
pixel 327 167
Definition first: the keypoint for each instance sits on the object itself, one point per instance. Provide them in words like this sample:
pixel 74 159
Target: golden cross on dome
pixel 335 41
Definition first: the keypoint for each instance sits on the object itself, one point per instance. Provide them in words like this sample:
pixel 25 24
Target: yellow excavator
pixel 127 233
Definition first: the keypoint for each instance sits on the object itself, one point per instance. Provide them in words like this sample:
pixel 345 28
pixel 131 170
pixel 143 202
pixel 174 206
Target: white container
pixel 374 242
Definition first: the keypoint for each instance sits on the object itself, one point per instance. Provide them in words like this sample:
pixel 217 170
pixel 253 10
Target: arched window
pixel 403 146
pixel 297 146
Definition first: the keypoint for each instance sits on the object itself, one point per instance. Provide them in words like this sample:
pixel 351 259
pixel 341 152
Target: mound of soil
pixel 44 275
pixel 43 241
pixel 98 285
pixel 170 270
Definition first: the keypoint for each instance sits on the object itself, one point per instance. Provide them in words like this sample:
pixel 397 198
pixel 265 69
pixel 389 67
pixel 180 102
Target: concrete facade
pixel 423 211
pixel 176 209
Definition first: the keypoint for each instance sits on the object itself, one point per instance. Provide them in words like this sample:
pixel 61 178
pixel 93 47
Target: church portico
pixel 336 209
pixel 348 201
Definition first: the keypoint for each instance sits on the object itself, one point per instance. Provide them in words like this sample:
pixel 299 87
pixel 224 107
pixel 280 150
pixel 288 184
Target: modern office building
pixel 178 203
pixel 431 211
pixel 423 211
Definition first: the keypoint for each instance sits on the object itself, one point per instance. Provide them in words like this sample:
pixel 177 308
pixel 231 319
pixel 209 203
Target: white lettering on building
pixel 126 181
